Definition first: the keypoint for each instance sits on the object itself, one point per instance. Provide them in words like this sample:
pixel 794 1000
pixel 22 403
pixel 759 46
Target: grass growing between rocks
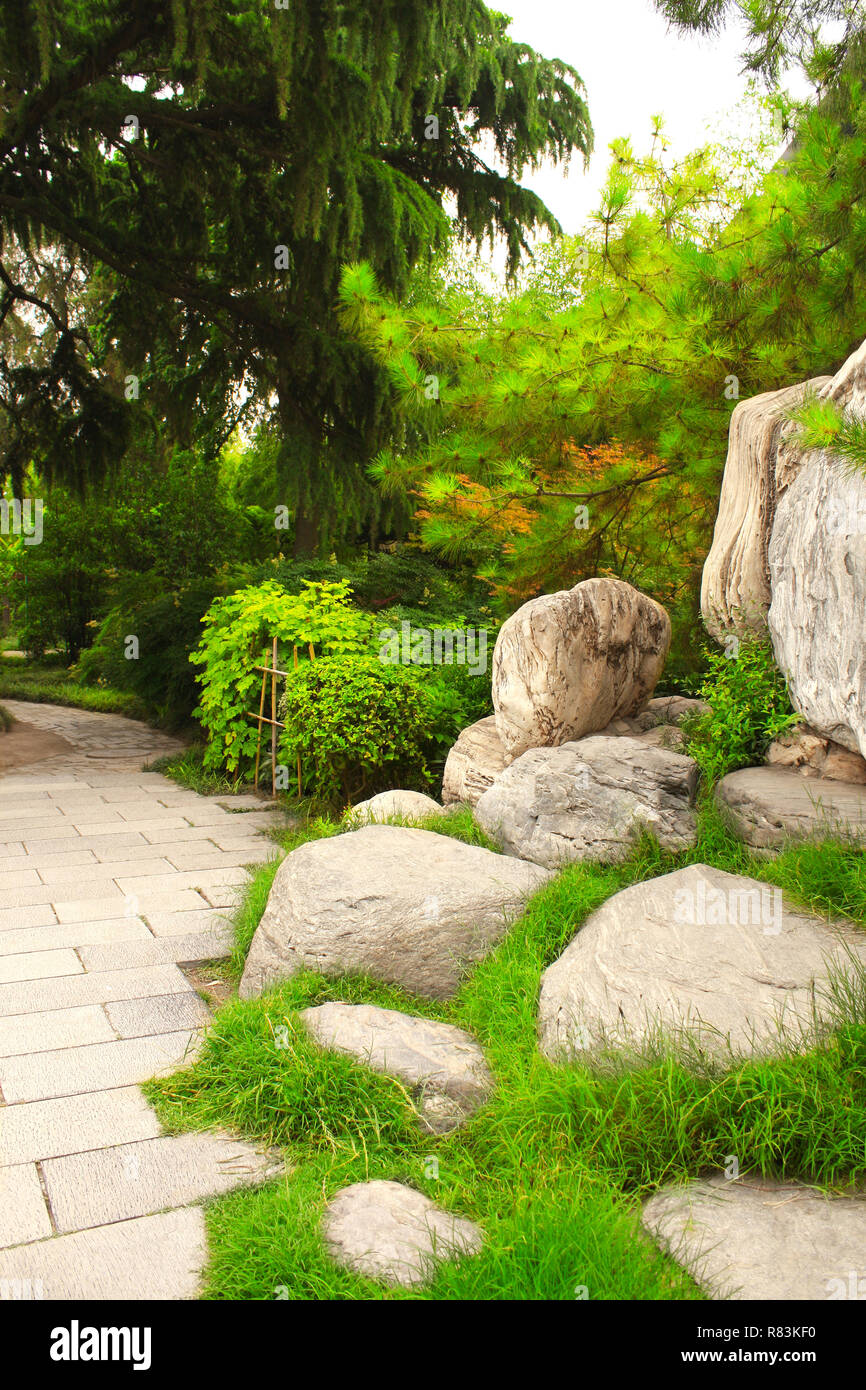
pixel 555 1166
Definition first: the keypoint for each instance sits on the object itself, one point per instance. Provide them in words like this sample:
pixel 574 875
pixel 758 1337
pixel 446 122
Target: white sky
pixel 633 67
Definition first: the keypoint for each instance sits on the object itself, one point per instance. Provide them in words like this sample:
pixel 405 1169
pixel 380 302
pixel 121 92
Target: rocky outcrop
pixel 475 760
pixel 586 800
pixel 735 587
pixel 701 957
pixel 443 1066
pixel 390 1232
pixel 753 1238
pixel 815 756
pixel 403 905
pixel 566 664
pixel 768 806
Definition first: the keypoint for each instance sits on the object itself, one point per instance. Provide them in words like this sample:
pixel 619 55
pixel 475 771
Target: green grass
pixel 556 1165
pixel 6 719
pixel 20 680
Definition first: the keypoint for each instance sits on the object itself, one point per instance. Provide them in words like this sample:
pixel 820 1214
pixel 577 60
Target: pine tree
pixel 210 166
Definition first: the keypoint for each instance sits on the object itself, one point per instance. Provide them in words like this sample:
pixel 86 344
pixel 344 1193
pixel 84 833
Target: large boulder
pixel 770 805
pixel 753 1238
pixel 817 617
pixel 474 762
pixel 443 1066
pixel 566 664
pixel 700 956
pixel 585 800
pixel 735 587
pixel 388 1231
pixel 406 906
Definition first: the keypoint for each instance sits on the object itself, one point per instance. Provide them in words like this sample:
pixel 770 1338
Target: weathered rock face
pixel 757 1239
pixel 817 618
pixel 411 805
pixel 406 906
pixel 735 587
pixel 700 952
pixel 769 805
pixel 475 760
pixel 585 800
pixel 566 664
pixel 815 756
pixel 387 1231
pixel 443 1066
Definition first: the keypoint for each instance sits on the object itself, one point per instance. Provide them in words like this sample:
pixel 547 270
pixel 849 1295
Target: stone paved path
pixel 109 877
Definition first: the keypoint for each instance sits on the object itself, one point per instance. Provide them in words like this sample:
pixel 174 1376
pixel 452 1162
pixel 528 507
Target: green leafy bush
pixel 359 727
pixel 238 631
pixel 750 707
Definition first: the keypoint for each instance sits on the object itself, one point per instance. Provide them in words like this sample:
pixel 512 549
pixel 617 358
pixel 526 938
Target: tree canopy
pixel 181 181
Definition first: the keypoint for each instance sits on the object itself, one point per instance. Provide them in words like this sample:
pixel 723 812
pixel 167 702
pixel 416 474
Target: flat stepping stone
pixel 129 1180
pixel 443 1066
pixel 700 952
pixel 152 1257
pixel 390 1232
pixel 757 1239
pixel 408 804
pixel 585 800
pixel 406 906
pixel 770 805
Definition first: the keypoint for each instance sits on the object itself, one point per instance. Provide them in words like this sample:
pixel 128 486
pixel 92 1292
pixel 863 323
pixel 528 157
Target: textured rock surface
pixel 585 799
pixel 757 1239
pixel 403 905
pixel 390 1232
pixel 814 756
pixel 475 760
pixel 735 587
pixel 818 615
pixel 668 709
pixel 566 664
pixel 443 1066
pixel 768 805
pixel 713 953
pixel 414 805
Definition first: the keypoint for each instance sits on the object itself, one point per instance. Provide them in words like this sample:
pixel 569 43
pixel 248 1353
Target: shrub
pixel 358 726
pixel 238 631
pixel 750 707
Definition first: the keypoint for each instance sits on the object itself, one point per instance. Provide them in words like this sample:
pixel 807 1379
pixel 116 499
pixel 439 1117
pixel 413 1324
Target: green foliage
pixel 238 631
pixel 750 707
pixel 359 726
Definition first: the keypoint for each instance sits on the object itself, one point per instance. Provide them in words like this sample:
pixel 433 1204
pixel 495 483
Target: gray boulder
pixel 443 1066
pixel 473 763
pixel 752 1238
pixel 585 799
pixel 769 805
pixel 406 906
pixel 566 664
pixel 703 956
pixel 408 804
pixel 390 1232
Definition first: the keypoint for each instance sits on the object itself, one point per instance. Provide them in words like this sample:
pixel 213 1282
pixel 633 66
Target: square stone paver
pixel 23 1213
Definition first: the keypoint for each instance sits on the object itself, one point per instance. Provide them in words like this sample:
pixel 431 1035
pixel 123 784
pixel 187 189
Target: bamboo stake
pixel 261 715
pixel 298 755
pixel 274 724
